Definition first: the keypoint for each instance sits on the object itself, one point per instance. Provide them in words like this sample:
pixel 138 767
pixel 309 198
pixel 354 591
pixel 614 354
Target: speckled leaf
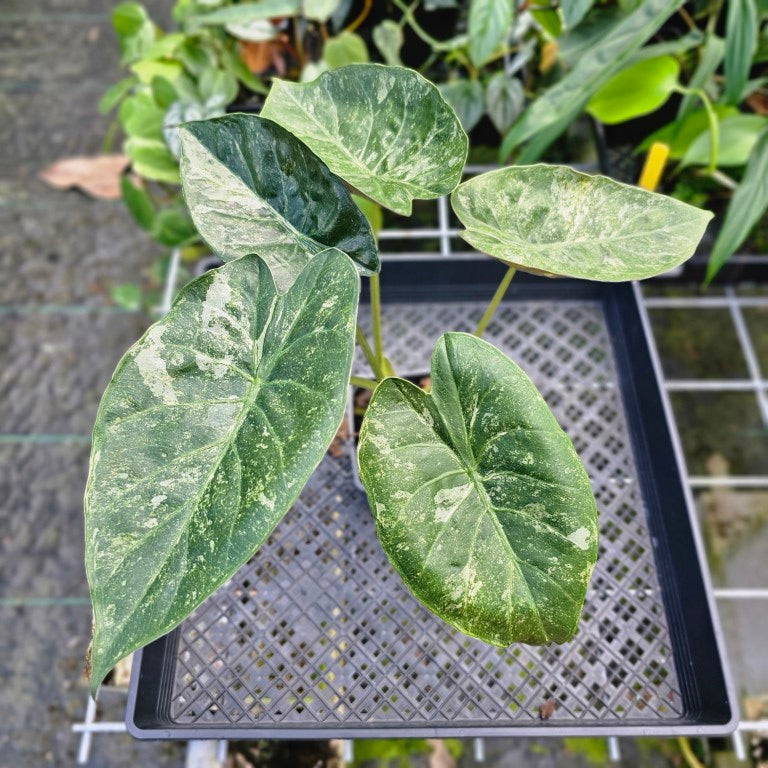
pixel 479 498
pixel 554 220
pixel 385 130
pixel 252 187
pixel 212 424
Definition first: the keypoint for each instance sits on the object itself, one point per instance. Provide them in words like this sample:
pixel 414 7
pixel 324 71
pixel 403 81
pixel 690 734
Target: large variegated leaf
pixel 480 500
pixel 385 130
pixel 556 221
pixel 252 187
pixel 209 429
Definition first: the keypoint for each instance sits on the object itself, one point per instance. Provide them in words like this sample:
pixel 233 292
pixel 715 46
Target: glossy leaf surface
pixel 554 220
pixel 385 130
pixel 252 187
pixel 635 91
pixel 209 429
pixel 479 498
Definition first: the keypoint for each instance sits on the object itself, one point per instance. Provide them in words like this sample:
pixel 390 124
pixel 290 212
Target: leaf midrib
pixel 476 480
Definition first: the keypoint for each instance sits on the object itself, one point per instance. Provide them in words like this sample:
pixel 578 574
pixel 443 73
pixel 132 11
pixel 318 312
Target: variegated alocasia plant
pixel 215 419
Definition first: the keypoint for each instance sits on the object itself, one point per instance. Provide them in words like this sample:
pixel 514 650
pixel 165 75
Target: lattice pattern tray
pixel 318 635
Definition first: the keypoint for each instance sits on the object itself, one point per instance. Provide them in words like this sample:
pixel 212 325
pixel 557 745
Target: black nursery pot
pixel 317 636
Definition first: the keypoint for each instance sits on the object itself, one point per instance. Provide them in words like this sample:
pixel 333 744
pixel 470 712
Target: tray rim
pixel 540 289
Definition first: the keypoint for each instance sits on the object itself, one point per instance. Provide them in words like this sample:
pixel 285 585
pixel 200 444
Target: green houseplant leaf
pixel 554 220
pixel 467 99
pixel 738 135
pixel 253 187
pixel 556 108
pixel 345 49
pixel 385 130
pixel 504 99
pixel 741 33
pixel 489 23
pixel 747 205
pixel 209 429
pixel 635 91
pixel 479 498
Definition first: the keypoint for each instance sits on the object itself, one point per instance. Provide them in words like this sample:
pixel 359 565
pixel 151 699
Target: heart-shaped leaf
pixel 211 426
pixel 556 221
pixel 252 187
pixel 467 99
pixel 637 90
pixel 480 500
pixel 385 130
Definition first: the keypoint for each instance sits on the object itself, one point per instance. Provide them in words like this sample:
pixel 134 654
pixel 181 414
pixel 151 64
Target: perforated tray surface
pixel 317 635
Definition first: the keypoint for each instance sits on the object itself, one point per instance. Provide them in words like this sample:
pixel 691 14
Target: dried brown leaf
pixel 97 176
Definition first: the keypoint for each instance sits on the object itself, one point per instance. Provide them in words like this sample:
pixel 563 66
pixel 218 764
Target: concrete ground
pixel 60 338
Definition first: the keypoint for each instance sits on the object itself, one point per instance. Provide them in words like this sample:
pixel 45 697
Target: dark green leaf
pixel 554 220
pixel 253 187
pixel 504 99
pixel 741 31
pixel 385 130
pixel 209 429
pixel 138 202
pixel 748 204
pixel 479 498
pixel 635 91
pixel 561 103
pixel 467 99
pixel 489 23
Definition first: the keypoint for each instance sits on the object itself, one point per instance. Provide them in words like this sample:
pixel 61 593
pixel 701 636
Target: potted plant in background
pixel 215 419
pixel 696 86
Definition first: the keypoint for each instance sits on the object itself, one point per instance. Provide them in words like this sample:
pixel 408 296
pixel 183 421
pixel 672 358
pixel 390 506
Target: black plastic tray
pixel 317 637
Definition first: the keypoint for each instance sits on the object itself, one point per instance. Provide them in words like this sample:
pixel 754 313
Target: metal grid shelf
pixel 318 636
pixel 758 384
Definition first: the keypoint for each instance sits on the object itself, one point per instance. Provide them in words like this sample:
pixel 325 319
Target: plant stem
pixel 714 125
pixel 359 381
pixel 497 297
pixel 436 45
pixel 368 352
pixel 688 754
pixel 376 315
pixel 361 17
